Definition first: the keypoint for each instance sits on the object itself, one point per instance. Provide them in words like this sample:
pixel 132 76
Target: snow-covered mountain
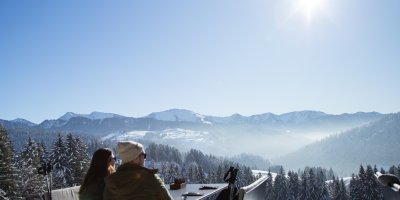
pixel 301 116
pixel 265 134
pixel 23 121
pixel 94 115
pixel 63 120
pixel 179 115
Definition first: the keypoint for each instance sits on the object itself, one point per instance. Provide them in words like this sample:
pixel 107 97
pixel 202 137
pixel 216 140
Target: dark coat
pixel 132 181
pixel 93 191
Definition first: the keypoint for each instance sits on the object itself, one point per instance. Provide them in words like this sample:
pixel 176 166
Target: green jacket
pixel 135 182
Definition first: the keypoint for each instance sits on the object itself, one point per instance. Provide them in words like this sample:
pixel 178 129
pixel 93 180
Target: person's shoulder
pixel 152 171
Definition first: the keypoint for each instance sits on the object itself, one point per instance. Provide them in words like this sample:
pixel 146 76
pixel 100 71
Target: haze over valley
pixel 281 138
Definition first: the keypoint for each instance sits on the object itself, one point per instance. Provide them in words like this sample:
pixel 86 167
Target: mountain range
pixel 285 138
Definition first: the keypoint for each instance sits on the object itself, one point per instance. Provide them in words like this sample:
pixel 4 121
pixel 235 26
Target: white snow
pixel 179 115
pixel 94 115
pixel 167 134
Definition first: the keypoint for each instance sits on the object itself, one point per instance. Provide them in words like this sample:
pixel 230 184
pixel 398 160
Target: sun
pixel 309 7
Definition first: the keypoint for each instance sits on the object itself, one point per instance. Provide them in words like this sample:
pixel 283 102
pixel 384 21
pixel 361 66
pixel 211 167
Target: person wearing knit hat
pixel 132 180
pixel 130 151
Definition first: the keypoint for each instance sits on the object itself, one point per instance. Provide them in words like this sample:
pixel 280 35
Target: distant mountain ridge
pixel 264 134
pixel 376 143
pixel 182 115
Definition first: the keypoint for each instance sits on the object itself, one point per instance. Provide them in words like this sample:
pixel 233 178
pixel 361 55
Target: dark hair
pixel 98 169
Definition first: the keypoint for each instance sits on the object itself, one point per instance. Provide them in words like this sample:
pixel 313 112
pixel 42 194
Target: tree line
pixel 313 185
pixel 19 171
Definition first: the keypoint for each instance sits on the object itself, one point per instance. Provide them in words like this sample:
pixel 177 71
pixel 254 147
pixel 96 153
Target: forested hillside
pixel 376 143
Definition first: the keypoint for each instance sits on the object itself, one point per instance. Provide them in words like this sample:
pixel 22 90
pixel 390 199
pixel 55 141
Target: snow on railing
pixel 256 190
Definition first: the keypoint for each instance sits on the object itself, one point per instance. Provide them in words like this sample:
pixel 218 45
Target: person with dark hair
pixel 133 181
pixel 101 166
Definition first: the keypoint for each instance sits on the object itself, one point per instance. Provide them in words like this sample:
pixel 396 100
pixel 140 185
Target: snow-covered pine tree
pixel 201 177
pixel 212 177
pixel 330 174
pixel 59 161
pixel 43 154
pixel 342 190
pixel 335 189
pixel 195 178
pixel 304 193
pixel 280 185
pixel 312 185
pixel 375 169
pixel 80 162
pixel 293 186
pixel 362 181
pixel 269 189
pixel 392 170
pixel 71 153
pixel 372 187
pixel 219 175
pixel 191 174
pixel 32 183
pixel 173 172
pixel 354 188
pixel 8 172
pixel 248 173
pixel 322 187
pixel 163 172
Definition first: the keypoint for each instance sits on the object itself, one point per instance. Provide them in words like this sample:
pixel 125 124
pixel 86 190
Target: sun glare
pixel 309 7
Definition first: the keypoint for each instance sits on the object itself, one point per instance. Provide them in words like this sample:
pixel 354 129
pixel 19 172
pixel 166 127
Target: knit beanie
pixel 129 150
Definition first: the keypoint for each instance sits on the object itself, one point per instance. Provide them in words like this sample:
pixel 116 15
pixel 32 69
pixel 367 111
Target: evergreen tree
pixel 304 193
pixel 335 188
pixel 312 185
pixel 32 184
pixel 375 169
pixel 212 178
pixel 163 172
pixel 191 174
pixel 80 162
pixel 342 191
pixel 8 172
pixel 354 188
pixel 201 177
pixel 59 161
pixel 42 152
pixel 392 170
pixel 195 178
pixel 173 172
pixel 219 177
pixel 322 188
pixel 293 186
pixel 269 190
pixel 280 185
pixel 372 188
pixel 70 153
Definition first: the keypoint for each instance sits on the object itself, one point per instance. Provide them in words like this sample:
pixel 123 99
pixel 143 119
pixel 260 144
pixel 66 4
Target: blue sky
pixel 211 57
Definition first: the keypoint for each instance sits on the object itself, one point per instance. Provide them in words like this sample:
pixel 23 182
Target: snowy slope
pixel 94 115
pixel 23 121
pixel 179 115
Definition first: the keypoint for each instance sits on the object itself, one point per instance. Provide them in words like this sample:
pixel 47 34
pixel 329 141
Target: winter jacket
pixel 134 182
pixel 93 191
